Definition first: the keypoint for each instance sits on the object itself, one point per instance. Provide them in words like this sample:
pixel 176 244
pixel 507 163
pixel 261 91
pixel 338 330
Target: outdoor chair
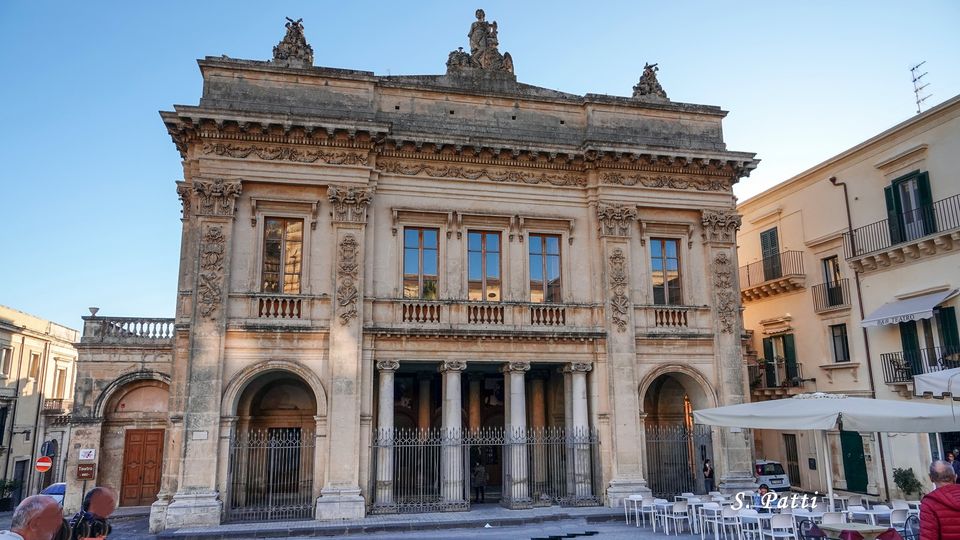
pixel 684 495
pixel 729 520
pixel 692 512
pixel 857 513
pixel 911 529
pixel 898 518
pixel 823 505
pixel 808 530
pixel 634 501
pixel 781 526
pixel 833 517
pixel 749 526
pixel 647 507
pixel 899 504
pixel 881 508
pixel 710 514
pixel 657 516
pixel 676 514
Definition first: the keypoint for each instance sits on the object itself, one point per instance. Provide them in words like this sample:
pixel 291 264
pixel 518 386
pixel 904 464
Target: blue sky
pixel 90 213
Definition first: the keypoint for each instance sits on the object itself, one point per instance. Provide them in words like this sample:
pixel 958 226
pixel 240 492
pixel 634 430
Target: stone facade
pixel 328 216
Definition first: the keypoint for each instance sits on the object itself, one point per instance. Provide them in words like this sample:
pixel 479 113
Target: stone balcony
pixel 57 406
pixel 777 274
pixel 665 321
pixel 127 331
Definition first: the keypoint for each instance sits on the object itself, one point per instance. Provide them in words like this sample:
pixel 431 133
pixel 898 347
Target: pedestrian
pixel 91 520
pixel 955 463
pixel 479 480
pixel 708 475
pixel 35 518
pixel 940 509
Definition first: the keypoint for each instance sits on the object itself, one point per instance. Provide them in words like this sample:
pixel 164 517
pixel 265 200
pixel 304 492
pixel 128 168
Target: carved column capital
pixel 515 367
pixel 349 203
pixel 216 197
pixel 388 365
pixel 452 365
pixel 720 225
pixel 616 219
pixel 578 367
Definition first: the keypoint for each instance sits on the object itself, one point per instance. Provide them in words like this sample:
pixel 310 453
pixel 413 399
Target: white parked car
pixel 772 474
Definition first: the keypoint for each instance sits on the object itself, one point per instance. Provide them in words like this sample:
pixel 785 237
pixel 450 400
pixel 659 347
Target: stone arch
pixel 694 382
pixel 236 386
pixel 121 382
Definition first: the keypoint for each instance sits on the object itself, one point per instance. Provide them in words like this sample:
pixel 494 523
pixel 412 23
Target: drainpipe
pixel 866 340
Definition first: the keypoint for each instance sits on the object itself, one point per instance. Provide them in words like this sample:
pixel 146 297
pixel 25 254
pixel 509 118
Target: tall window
pixel 420 274
pixel 545 268
pixel 831 269
pixel 910 207
pixel 780 360
pixel 60 383
pixel 5 355
pixel 282 255
pixel 770 250
pixel 483 266
pixel 665 259
pixel 838 336
pixel 34 368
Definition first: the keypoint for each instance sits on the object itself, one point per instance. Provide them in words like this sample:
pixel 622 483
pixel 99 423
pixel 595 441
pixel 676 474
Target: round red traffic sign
pixel 43 464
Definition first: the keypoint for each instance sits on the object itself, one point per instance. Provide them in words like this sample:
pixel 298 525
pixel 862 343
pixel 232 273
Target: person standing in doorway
pixel 479 480
pixel 708 476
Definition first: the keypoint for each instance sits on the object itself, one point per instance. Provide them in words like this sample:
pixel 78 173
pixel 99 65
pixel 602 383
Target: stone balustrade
pixel 127 330
pixel 659 318
pixel 463 314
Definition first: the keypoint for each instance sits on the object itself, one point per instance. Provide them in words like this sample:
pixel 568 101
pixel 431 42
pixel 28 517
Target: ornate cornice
pixel 619 303
pixel 388 365
pixel 668 181
pixel 286 153
pixel 349 203
pixel 216 197
pixel 452 365
pixel 492 174
pixel 515 367
pixel 720 225
pixel 616 219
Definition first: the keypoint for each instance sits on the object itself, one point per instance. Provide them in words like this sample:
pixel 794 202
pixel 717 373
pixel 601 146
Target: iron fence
pixel 675 456
pixel 830 295
pixel 271 475
pixel 786 263
pixel 943 215
pixel 902 366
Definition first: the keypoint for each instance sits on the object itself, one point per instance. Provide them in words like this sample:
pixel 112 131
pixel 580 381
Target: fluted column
pixel 583 487
pixel 451 459
pixel 515 457
pixel 384 495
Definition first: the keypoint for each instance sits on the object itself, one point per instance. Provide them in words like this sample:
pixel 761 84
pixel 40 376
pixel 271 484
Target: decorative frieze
pixel 286 153
pixel 533 177
pixel 616 219
pixel 515 367
pixel 347 276
pixel 720 225
pixel 349 203
pixel 680 182
pixel 388 365
pixel 619 303
pixel 216 197
pixel 210 279
pixel 727 309
pixel 452 365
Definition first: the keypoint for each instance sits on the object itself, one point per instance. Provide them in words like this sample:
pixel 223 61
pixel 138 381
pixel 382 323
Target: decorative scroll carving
pixel 649 87
pixel 697 183
pixel 349 203
pixel 616 219
pixel 388 365
pixel 720 225
pixel 484 52
pixel 347 272
pixel 210 279
pixel 216 197
pixel 494 175
pixel 286 153
pixel 183 192
pixel 293 50
pixel 619 303
pixel 453 365
pixel 515 367
pixel 582 367
pixel 726 298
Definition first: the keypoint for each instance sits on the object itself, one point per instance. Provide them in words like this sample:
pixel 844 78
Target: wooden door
pixel 854 462
pixel 142 460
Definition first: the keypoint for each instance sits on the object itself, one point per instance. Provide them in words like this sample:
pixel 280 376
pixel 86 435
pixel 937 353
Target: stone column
pixel 473 401
pixel 340 498
pixel 384 491
pixel 580 432
pixel 197 501
pixel 538 421
pixel 424 405
pixel 568 427
pixel 515 450
pixel 720 235
pixel 451 458
pixel 616 224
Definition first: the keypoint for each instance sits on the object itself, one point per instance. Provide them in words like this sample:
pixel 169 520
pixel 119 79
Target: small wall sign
pixel 86 471
pixel 88 454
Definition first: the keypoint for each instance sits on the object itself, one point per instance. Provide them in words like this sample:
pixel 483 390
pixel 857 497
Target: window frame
pixel 283 249
pixel 543 235
pixel 663 259
pixel 833 343
pixel 420 274
pixel 33 368
pixel 484 233
pixel 6 360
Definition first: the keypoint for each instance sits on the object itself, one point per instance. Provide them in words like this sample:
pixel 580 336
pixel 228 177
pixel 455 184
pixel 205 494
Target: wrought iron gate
pixel 271 475
pixel 434 470
pixel 675 456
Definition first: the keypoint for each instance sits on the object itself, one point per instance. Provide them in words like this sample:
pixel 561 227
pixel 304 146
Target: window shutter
pixel 949 336
pixel 769 365
pixel 790 356
pixel 893 215
pixel 911 346
pixel 770 249
pixel 926 204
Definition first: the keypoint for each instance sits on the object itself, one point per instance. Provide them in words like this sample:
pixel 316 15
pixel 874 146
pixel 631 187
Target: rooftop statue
pixel 649 87
pixel 293 50
pixel 484 54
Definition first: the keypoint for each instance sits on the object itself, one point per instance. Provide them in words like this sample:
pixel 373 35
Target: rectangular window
pixel 770 250
pixel 831 269
pixel 282 255
pixel 910 212
pixel 34 368
pixel 545 268
pixel 60 383
pixel 420 263
pixel 483 266
pixel 838 336
pixel 6 354
pixel 665 273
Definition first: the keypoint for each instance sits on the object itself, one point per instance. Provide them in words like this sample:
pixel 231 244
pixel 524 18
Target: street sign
pixel 86 471
pixel 88 454
pixel 43 464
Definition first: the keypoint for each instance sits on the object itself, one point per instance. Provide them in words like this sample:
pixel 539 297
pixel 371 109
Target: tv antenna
pixel 919 85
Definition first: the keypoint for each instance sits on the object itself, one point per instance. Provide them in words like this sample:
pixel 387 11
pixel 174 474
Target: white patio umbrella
pixel 823 412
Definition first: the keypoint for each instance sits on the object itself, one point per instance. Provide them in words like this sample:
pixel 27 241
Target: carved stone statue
pixel 649 87
pixel 293 50
pixel 484 53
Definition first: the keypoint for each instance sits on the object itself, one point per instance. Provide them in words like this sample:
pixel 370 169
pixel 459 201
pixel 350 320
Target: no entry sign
pixel 43 464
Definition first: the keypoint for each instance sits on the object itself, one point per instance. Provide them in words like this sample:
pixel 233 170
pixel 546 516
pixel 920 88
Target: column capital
pixel 578 367
pixel 515 367
pixel 720 226
pixel 349 203
pixel 452 365
pixel 616 219
pixel 388 365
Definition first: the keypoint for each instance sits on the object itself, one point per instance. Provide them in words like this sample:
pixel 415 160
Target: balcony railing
pixel 785 264
pixel 57 406
pixel 776 373
pixel 831 295
pixel 943 215
pixel 486 316
pixel 903 366
pixel 127 330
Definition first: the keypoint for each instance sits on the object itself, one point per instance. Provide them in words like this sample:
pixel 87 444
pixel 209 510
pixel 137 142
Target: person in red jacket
pixel 940 509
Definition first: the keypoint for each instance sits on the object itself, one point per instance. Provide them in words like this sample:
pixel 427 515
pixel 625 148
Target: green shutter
pixel 770 250
pixel 790 356
pixel 911 346
pixel 893 214
pixel 949 337
pixel 770 365
pixel 926 204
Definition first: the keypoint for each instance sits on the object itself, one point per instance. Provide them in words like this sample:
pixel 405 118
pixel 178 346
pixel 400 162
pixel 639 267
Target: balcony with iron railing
pixel 902 366
pixel 772 275
pixel 774 378
pixel 922 232
pixel 832 295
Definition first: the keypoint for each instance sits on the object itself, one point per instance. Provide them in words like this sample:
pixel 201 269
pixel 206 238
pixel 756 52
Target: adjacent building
pixel 849 281
pixel 37 370
pixel 388 283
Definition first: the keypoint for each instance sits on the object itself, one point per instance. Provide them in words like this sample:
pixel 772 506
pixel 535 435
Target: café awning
pixel 908 309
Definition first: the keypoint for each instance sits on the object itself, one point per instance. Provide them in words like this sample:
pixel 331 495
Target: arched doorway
pixel 134 426
pixel 272 451
pixel 676 447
